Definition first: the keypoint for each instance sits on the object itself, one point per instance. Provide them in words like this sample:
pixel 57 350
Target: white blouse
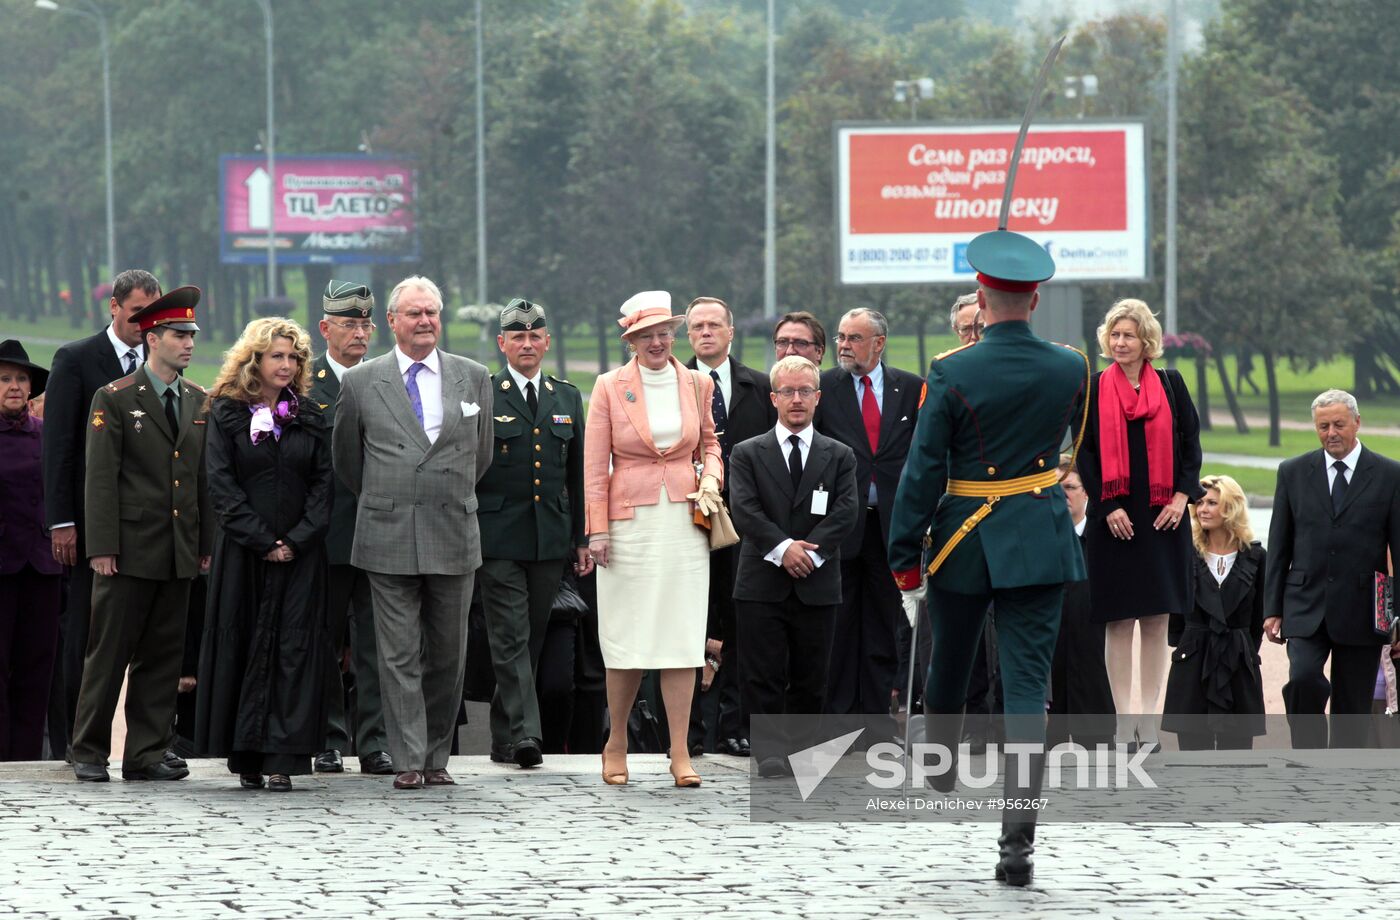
pixel 663 405
pixel 1220 566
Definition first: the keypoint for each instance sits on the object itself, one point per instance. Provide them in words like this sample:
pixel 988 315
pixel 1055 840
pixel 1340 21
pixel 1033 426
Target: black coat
pixel 265 649
pixel 325 390
pixel 839 417
pixel 1079 687
pixel 1321 565
pixel 1151 573
pixel 1215 664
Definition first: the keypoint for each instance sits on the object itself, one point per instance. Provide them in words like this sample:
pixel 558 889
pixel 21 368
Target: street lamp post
pixel 480 169
pixel 770 183
pixel 93 11
pixel 266 7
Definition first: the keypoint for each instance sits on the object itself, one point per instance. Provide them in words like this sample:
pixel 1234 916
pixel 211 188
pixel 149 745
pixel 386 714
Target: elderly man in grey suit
pixel 413 434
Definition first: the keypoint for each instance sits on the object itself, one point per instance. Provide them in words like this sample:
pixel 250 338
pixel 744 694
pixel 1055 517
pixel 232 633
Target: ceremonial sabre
pixel 1025 126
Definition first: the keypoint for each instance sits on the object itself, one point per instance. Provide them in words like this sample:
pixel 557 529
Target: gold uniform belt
pixel 992 492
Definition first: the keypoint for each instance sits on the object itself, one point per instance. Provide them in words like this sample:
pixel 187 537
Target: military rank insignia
pixel 97 420
pixel 563 419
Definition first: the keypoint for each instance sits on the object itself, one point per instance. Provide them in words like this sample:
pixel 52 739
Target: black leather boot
pixel 945 728
pixel 1017 840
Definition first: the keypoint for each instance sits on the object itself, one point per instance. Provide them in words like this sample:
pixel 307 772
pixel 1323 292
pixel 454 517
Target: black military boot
pixel 945 728
pixel 1017 840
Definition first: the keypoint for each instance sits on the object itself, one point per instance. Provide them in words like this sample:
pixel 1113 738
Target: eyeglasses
pixel 352 325
pixel 1072 487
pixel 789 392
pixel 798 344
pixel 969 329
pixel 842 338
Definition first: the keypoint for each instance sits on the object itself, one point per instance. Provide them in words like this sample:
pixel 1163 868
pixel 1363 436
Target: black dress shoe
pixel 157 771
pixel 171 759
pixel 501 755
pixel 527 753
pixel 250 780
pixel 697 749
pixel 735 747
pixel 771 767
pixel 90 772
pixel 329 762
pixel 378 763
pixel 279 782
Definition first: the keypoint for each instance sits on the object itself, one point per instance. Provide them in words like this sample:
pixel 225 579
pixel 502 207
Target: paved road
pixel 558 843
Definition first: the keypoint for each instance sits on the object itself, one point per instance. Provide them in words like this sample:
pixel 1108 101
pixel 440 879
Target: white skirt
pixel 653 598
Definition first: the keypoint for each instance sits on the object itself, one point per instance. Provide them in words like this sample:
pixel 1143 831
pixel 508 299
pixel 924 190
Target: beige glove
pixel 707 498
pixel 911 600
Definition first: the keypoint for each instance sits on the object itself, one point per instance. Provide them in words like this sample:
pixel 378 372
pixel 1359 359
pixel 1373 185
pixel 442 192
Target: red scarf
pixel 1119 403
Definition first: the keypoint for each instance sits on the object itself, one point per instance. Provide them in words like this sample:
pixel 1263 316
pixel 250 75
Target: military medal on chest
pixel 137 414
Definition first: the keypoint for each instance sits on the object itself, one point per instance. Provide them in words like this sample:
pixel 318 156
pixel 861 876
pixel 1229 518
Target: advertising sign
pixel 327 210
pixel 910 198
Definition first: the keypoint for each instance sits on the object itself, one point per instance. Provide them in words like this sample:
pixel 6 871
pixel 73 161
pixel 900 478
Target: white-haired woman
pixel 1215 694
pixel 1141 465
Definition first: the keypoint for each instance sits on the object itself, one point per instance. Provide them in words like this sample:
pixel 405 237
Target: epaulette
pixel 121 383
pixel 1073 349
pixel 194 386
pixel 561 380
pixel 952 351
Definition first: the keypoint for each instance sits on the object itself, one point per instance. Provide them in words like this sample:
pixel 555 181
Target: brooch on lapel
pixel 321 375
pixel 627 395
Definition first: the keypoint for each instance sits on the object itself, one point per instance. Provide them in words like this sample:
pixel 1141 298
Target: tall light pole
pixel 480 169
pixel 93 11
pixel 270 148
pixel 1172 41
pixel 770 187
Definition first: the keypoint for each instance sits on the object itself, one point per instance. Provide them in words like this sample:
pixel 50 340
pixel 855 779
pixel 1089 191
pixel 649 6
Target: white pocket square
pixel 470 409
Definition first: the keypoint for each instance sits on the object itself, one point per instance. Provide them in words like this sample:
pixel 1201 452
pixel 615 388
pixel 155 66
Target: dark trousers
pixel 1307 692
pixel 1028 621
pixel 785 649
pixel 137 623
pixel 1211 741
pixel 350 615
pixel 29 612
pixel 863 659
pixel 554 684
pixel 77 616
pixel 516 598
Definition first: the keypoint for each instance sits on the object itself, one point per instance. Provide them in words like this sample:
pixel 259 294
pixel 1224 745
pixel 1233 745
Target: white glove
pixel 911 600
pixel 707 498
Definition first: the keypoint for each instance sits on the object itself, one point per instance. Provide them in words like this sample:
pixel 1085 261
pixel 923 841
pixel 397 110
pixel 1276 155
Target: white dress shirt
pixel 121 348
pixel 520 380
pixel 339 369
pixel 804 447
pixel 726 378
pixel 429 389
pixel 877 383
pixel 1350 460
pixel 1220 566
pixel 1079 528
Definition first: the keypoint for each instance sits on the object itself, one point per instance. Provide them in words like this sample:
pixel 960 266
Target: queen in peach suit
pixel 646 420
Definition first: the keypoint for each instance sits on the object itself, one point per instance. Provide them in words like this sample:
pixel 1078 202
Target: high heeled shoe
pixel 688 780
pixel 614 777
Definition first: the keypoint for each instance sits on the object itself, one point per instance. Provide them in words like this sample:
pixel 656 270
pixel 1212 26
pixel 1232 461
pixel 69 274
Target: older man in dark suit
pixel 742 409
pixel 1336 512
pixel 795 501
pixel 79 369
pixel 871 408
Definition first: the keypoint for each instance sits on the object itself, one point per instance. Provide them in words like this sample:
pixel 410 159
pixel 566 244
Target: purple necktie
pixel 414 397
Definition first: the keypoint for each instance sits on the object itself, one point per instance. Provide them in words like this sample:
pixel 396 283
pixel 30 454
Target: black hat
pixel 12 352
pixel 520 315
pixel 1007 261
pixel 345 298
pixel 174 311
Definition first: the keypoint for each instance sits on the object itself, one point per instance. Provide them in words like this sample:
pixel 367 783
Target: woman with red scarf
pixel 1141 465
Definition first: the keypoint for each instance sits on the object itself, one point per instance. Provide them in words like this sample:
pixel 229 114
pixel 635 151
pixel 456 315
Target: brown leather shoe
pixel 438 778
pixel 411 779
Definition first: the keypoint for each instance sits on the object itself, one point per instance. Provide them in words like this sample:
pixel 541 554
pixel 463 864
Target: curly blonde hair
pixel 1234 514
pixel 238 378
pixel 1149 330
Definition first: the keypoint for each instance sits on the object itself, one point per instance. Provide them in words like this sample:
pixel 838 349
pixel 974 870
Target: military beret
pixel 345 298
pixel 174 310
pixel 1007 261
pixel 520 315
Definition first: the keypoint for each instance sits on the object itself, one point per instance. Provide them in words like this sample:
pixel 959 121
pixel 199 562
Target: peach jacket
pixel 618 431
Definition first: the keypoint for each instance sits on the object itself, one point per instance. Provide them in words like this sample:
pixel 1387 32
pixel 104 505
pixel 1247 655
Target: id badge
pixel 819 501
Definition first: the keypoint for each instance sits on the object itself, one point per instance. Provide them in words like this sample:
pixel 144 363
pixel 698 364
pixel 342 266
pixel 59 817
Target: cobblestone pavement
pixel 556 842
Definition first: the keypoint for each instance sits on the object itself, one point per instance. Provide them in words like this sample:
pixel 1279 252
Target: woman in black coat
pixel 264 651
pixel 1141 462
pixel 1215 693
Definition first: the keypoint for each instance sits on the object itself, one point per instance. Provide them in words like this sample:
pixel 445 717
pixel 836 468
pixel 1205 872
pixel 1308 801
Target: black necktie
pixel 129 361
pixel 795 462
pixel 1339 486
pixel 531 399
pixel 170 415
pixel 720 417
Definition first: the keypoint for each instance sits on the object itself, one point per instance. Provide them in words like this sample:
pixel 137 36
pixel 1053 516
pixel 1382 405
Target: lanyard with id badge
pixel 819 497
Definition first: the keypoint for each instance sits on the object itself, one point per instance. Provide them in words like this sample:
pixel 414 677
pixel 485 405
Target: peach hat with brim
pixel 647 309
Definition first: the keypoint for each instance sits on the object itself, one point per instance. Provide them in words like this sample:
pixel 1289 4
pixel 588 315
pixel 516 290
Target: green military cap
pixel 344 298
pixel 1007 261
pixel 520 315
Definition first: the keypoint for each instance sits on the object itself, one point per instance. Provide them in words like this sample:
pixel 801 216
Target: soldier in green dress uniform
pixel 982 472
pixel 149 533
pixel 530 509
pixel 347 327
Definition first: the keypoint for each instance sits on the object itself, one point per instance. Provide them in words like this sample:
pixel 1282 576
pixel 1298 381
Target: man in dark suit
pixel 149 532
pixel 79 369
pixel 871 408
pixel 742 409
pixel 795 501
pixel 347 327
pixel 1336 511
pixel 531 505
